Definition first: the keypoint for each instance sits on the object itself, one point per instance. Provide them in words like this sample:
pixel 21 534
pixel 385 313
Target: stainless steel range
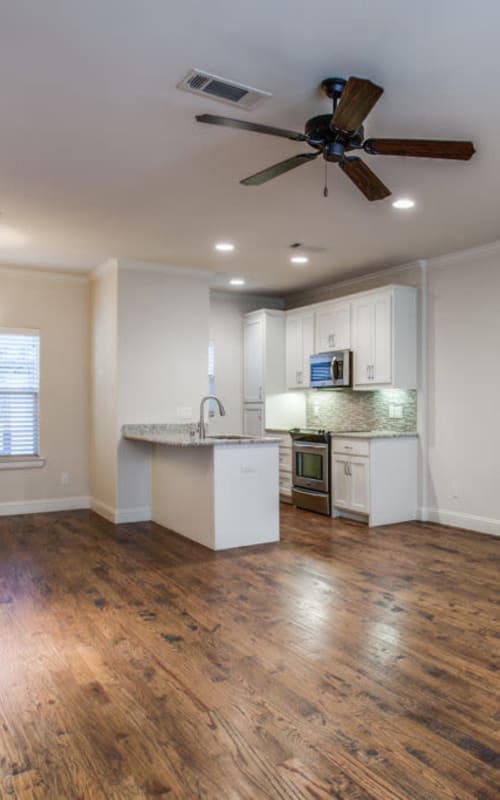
pixel 311 469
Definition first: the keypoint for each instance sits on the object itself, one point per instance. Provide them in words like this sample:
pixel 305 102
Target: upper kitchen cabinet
pixel 385 339
pixel 299 346
pixel 263 354
pixel 333 326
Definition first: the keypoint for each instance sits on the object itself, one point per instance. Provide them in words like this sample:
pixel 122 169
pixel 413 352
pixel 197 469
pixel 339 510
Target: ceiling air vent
pixel 236 94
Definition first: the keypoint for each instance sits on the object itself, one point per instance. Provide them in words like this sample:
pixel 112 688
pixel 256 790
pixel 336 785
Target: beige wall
pixel 57 305
pixel 464 389
pixel 103 394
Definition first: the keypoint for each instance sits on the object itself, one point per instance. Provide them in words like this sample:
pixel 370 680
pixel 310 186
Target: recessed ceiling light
pixel 403 202
pixel 224 247
pixel 237 282
pixel 299 259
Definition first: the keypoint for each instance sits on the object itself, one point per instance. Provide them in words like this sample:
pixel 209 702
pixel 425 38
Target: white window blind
pixel 19 385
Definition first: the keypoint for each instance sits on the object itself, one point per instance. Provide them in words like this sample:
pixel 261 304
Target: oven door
pixel 310 466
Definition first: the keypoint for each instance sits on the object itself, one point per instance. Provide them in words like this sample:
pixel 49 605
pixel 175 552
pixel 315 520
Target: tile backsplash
pixel 347 410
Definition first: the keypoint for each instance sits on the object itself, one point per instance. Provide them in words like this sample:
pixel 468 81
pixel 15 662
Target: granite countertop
pixel 186 435
pixel 372 434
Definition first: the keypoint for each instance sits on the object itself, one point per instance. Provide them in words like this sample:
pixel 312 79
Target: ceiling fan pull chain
pixel 325 190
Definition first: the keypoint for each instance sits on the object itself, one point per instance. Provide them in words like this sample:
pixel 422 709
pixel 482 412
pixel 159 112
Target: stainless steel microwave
pixel 331 370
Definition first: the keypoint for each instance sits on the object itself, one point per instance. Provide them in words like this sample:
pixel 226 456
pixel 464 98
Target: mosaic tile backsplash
pixel 347 410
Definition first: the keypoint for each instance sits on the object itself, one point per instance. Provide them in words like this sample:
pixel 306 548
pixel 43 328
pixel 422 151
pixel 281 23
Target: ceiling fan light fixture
pixel 404 203
pixel 224 247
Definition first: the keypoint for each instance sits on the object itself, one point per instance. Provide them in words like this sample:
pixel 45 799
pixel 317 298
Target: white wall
pixel 56 304
pixel 226 329
pixel 103 366
pixel 464 389
pixel 160 363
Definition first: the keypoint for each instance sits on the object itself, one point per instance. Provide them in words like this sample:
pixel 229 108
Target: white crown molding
pixel 12 271
pixel 465 256
pixel 107 266
pixel 166 269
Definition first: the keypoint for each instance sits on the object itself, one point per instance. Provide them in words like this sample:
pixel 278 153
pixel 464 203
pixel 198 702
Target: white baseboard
pixel 469 522
pixel 42 506
pixel 119 516
pixel 132 515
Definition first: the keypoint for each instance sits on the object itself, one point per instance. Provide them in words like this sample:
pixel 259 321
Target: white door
pixel 382 338
pixel 253 360
pixel 358 469
pixel 253 420
pixel 341 482
pixel 293 351
pixel 363 340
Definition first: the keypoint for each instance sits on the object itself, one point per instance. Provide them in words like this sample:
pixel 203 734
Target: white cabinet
pixel 351 483
pixel 285 465
pixel 385 339
pixel 333 326
pixel 253 419
pixel 263 354
pixel 253 361
pixel 375 479
pixel 299 346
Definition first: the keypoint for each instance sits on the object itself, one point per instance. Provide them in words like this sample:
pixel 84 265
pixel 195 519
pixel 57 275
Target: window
pixel 19 385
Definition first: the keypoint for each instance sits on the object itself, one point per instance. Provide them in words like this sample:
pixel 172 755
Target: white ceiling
pixel 100 154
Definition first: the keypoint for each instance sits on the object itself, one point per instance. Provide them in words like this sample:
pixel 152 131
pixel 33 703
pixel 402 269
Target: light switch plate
pixel 185 413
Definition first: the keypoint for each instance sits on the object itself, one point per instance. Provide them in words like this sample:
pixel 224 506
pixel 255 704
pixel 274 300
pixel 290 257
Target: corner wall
pixel 58 305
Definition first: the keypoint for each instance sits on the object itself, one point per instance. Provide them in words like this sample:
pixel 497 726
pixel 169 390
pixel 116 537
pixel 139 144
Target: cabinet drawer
pixel 352 447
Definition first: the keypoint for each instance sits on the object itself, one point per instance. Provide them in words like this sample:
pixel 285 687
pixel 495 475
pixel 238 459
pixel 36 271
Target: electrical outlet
pixel 396 411
pixel 454 489
pixel 65 479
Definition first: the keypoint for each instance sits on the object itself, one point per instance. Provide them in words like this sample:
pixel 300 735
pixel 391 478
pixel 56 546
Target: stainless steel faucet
pixel 222 412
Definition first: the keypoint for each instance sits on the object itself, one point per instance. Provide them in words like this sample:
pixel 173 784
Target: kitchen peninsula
pixel 221 491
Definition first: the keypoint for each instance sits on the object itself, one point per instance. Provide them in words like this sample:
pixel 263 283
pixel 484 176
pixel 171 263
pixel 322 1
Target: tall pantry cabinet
pixel 263 365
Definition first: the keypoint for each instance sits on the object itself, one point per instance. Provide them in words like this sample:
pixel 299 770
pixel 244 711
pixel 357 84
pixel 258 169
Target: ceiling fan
pixel 333 136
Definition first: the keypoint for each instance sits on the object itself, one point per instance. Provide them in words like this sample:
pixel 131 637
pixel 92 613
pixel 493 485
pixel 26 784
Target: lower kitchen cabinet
pixel 285 464
pixel 375 479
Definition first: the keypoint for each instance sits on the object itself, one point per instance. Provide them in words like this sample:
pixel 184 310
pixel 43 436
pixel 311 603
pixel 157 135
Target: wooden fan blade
pixel 278 169
pixel 366 180
pixel 357 100
pixel 229 122
pixel 420 148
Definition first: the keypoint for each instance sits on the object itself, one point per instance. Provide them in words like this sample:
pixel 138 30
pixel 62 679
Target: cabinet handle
pixel 345 467
pixel 368 372
pixel 300 377
pixel 350 469
pixel 260 392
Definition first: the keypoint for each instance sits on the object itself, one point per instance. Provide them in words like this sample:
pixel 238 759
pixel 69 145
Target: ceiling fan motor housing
pixel 331 141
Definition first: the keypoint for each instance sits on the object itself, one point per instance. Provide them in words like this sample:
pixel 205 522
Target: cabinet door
pixel 307 347
pixel 358 469
pixel 363 340
pixel 325 334
pixel 333 327
pixel 293 351
pixel 382 338
pixel 253 420
pixel 253 360
pixel 341 482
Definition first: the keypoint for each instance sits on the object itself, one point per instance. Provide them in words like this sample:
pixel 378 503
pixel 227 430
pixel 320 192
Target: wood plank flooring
pixel 341 663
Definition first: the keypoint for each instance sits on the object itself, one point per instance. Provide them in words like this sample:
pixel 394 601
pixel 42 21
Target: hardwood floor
pixel 342 663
